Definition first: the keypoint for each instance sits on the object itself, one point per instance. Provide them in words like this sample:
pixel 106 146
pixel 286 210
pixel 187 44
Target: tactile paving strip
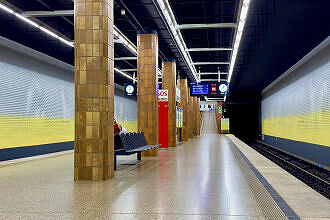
pixel 261 191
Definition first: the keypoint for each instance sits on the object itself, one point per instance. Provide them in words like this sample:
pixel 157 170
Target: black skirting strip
pixel 30 151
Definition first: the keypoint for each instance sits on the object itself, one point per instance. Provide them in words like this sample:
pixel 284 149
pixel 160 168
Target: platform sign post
pixel 163 118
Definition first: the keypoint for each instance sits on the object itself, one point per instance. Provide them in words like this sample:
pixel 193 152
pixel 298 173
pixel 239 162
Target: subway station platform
pixel 209 177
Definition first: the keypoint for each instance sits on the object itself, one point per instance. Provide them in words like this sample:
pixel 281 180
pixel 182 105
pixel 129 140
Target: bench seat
pixel 130 143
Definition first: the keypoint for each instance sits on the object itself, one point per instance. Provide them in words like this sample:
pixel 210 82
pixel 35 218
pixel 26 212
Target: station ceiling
pixel 277 34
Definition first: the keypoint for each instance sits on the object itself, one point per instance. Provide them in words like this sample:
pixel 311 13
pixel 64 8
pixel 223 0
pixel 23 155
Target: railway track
pixel 312 175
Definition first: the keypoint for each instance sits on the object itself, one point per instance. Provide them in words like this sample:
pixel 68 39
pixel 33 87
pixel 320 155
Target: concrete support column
pixel 184 106
pixel 147 66
pixel 198 116
pixel 169 79
pixel 94 89
pixel 190 115
pixel 218 115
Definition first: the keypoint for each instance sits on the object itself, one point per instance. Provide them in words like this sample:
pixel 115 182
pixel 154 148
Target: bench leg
pixel 139 156
pixel 115 161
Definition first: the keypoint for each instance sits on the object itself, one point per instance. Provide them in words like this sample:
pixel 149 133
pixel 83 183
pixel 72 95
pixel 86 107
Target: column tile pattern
pixel 94 90
pixel 190 115
pixel 184 106
pixel 147 66
pixel 169 79
pixel 198 119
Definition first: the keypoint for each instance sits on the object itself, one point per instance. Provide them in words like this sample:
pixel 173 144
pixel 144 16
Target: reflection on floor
pixel 209 125
pixel 201 179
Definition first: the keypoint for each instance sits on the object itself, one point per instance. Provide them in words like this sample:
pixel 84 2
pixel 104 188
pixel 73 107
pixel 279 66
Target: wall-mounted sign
pixel 206 107
pixel 177 94
pixel 220 109
pixel 163 95
pixel 179 117
pixel 130 89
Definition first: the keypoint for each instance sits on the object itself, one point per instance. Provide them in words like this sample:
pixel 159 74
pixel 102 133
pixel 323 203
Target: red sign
pixel 163 95
pixel 163 124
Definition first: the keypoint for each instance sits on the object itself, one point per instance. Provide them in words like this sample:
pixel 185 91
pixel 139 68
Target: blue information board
pixel 199 89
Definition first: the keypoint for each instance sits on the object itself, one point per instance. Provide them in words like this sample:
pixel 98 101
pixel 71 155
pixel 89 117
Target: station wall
pixel 37 103
pixel 296 108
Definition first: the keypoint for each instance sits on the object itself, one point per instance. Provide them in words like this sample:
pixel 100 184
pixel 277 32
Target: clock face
pixel 223 88
pixel 129 89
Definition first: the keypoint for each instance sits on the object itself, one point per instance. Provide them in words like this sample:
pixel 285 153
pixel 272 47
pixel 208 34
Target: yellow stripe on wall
pixel 313 128
pixel 18 131
pixel 131 126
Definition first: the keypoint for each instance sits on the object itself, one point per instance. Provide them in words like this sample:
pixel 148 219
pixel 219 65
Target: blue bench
pixel 130 143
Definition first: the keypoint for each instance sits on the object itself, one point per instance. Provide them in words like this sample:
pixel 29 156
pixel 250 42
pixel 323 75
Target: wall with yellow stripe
pixel 37 99
pixel 311 128
pixel 297 106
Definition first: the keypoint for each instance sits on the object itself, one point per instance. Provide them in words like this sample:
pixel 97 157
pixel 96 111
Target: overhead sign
pixel 130 89
pixel 163 95
pixel 218 88
pixel 199 89
pixel 209 89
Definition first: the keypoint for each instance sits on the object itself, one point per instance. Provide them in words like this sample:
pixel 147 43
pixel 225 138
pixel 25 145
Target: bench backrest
pixel 130 141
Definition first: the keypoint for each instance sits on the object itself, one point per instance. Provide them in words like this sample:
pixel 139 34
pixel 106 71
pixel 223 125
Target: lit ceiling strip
pixel 170 19
pixel 239 32
pixel 125 74
pixel 34 24
pixel 125 41
pixel 129 45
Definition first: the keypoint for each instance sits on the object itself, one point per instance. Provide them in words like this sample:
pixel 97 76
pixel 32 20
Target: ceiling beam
pixel 205 26
pixel 59 13
pixel 210 63
pixel 209 49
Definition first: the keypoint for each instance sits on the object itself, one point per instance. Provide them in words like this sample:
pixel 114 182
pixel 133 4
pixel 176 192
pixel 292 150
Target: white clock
pixel 129 89
pixel 223 88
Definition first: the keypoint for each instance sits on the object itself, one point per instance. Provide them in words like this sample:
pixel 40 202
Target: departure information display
pixel 209 89
pixel 199 89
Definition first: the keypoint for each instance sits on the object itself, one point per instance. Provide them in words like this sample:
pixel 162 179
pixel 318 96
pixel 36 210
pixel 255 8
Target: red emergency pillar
pixel 163 118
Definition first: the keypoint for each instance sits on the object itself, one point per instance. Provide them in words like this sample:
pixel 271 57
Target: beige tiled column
pixel 184 106
pixel 169 79
pixel 94 89
pixel 198 118
pixel 147 66
pixel 190 115
pixel 218 116
pixel 195 115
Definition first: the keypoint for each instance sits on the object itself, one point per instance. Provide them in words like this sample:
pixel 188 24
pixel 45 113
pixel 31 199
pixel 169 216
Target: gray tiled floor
pixel 200 179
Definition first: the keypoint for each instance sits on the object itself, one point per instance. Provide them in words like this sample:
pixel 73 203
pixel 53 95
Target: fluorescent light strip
pixel 170 19
pixel 127 43
pixel 125 74
pixel 5 8
pixel 124 40
pixel 239 32
pixel 34 24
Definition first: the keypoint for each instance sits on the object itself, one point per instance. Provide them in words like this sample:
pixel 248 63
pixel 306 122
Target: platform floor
pixel 204 178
